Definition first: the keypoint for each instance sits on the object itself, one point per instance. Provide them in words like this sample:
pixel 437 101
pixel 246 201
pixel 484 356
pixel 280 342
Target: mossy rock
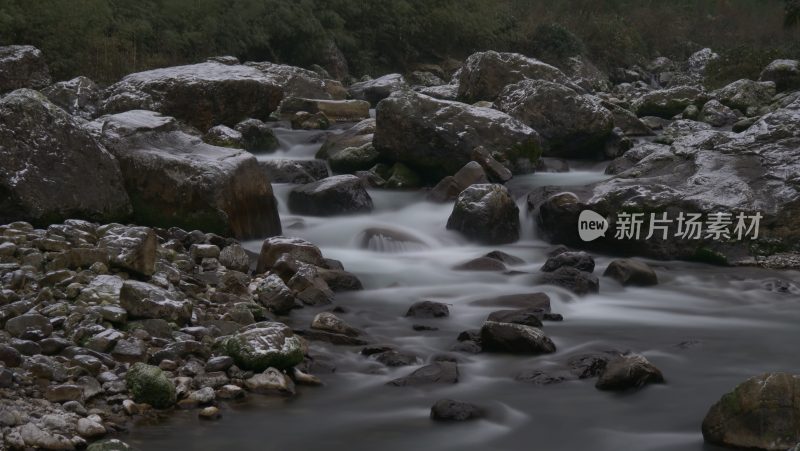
pixel 148 384
pixel 264 345
pixel 109 445
pixel 353 159
pixel 402 177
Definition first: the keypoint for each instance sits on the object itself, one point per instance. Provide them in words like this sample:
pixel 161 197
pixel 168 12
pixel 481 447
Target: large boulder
pixel 571 125
pixel 358 135
pixel 514 339
pixel 131 248
pixel 47 158
pixel 78 97
pixel 784 73
pixel 175 179
pixel 373 91
pixel 203 95
pixel 22 66
pixel 701 173
pixel 437 137
pixel 486 213
pixel 762 413
pixel 299 82
pixel 264 345
pixel 745 95
pixel 669 102
pixel 148 384
pixel 485 74
pixel 339 194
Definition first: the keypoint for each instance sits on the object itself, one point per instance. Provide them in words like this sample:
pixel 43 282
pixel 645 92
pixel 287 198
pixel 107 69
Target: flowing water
pixel 707 328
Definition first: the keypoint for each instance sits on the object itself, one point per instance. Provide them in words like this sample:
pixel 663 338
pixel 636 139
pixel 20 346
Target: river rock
pixel 270 382
pixel 339 194
pixel 434 373
pixel 203 95
pixel 485 74
pixel 299 82
pixel 289 249
pixel 334 110
pixel 224 136
pixel 22 66
pixel 577 260
pixel 630 371
pixel 174 179
pixel 487 214
pixel 352 159
pixel 436 138
pixel 450 410
pixel 88 428
pixel 282 170
pixel 148 384
pixel 79 97
pixel 257 135
pixel 515 339
pixel 35 437
pixel 273 294
pixel 631 272
pixel 762 413
pixel 112 444
pixel 716 114
pixel 573 279
pixel 131 249
pixel 143 300
pixel 329 322
pixel 235 257
pixel 784 73
pixel 428 309
pixel 481 264
pixel 358 135
pixel 571 125
pixel 10 357
pixel 373 91
pixel 264 345
pixel 451 186
pixel 526 317
pixel 40 144
pixel 669 102
pixel 745 95
pixel 31 326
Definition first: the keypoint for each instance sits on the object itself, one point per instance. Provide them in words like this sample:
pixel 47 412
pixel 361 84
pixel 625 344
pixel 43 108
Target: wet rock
pixel 79 97
pixel 112 444
pixel 630 371
pixel 273 294
pixel 481 264
pixel 760 413
pixel 485 74
pixel 393 358
pixel 219 363
pixel 148 384
pixel 578 260
pixel 334 110
pixel 716 114
pixel 373 91
pixel 329 322
pixel 283 170
pixel 572 279
pixel 64 392
pixel 390 240
pixel 451 186
pixel 745 95
pixel 428 309
pixel 784 73
pixel 264 345
pixel 175 179
pixel 514 339
pixel 143 300
pixel 290 249
pixel 40 142
pixel 35 437
pixel 234 257
pixel 340 194
pixel 257 135
pixel 435 373
pixel 131 249
pixel 29 327
pixel 506 258
pixel 522 300
pixel 526 317
pixel 358 135
pixel 230 392
pixel 22 66
pixel 87 428
pixel 450 410
pixel 631 272
pixel 436 138
pixel 129 350
pixel 667 103
pixel 487 214
pixel 270 382
pixel 571 125
pixel 224 136
pixel 202 95
pixel 539 377
pixel 352 159
pixel 209 413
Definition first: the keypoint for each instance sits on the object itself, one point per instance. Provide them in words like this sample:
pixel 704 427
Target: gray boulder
pixel 485 74
pixel 22 66
pixel 299 82
pixel 487 214
pixel 514 339
pixel 47 158
pixel 373 91
pixel 745 95
pixel 143 300
pixel 264 345
pixel 340 194
pixel 784 73
pixel 669 102
pixel 78 97
pixel 283 170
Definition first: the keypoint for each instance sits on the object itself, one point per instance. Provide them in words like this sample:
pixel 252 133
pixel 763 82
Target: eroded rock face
pixel 570 124
pixel 487 214
pixel 22 66
pixel 203 95
pixel 485 74
pixel 174 179
pixel 761 413
pixel 703 172
pixel 437 137
pixel 46 158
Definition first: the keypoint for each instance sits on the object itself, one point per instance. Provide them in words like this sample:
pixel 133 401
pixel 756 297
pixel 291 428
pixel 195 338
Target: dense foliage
pixel 106 39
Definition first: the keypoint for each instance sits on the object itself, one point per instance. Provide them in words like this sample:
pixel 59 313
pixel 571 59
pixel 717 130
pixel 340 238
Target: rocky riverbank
pixel 105 323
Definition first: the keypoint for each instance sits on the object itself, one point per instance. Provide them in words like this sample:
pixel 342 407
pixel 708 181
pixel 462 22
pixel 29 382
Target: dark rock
pixel 279 248
pixel 572 279
pixel 524 300
pixel 577 260
pixel 434 373
pixel 630 371
pixel 257 136
pixel 667 103
pixel 506 258
pixel 485 74
pixel 131 249
pixel 451 186
pixel 30 326
pixel 22 66
pixel 148 384
pixel 298 82
pixel 784 73
pixel 514 339
pixel 78 97
pixel 340 194
pixel 450 410
pixel 428 309
pixel 746 95
pixel 10 356
pixel 143 300
pixel 631 272
pixel 282 170
pixel 373 91
pixel 487 214
pixel 264 345
pixel 526 317
pixel 328 322
pixel 481 264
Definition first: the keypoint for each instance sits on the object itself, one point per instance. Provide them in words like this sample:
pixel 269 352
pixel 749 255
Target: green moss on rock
pixel 148 384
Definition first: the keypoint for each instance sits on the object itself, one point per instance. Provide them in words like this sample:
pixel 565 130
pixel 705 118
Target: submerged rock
pixel 631 272
pixel 573 279
pixel 434 373
pixel 450 410
pixel 282 170
pixel 487 214
pixel 630 371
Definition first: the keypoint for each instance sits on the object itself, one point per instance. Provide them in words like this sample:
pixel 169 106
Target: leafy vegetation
pixel 105 39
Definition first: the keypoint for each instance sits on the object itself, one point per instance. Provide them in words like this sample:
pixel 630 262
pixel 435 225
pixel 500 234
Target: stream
pixel 707 328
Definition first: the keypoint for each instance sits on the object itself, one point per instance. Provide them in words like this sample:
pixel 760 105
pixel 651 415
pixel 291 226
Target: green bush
pixel 554 43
